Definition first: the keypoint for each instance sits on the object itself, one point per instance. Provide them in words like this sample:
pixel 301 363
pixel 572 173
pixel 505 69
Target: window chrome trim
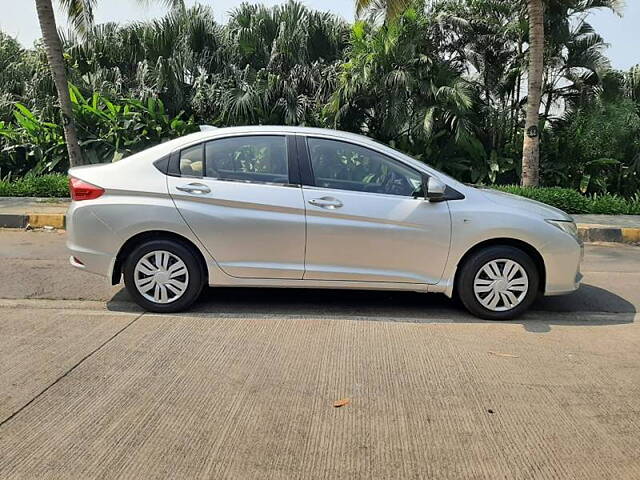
pixel 386 195
pixel 253 182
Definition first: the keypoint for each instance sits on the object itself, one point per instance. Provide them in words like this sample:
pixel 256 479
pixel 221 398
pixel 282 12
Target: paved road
pixel 243 386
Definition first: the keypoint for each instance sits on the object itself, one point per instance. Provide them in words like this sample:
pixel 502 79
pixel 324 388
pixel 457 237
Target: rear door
pixel 241 196
pixel 366 218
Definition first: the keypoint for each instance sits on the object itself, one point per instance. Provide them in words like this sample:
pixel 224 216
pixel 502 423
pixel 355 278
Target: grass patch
pixel 54 186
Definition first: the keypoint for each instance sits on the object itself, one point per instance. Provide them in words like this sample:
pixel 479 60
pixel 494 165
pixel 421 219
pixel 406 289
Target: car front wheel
pixel 498 283
pixel 163 276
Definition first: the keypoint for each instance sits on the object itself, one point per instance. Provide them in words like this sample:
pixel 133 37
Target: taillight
pixel 81 190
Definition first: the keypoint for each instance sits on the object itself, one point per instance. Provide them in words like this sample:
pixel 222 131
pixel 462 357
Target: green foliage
pixel 108 132
pixel 389 89
pixel 111 131
pixel 442 81
pixel 614 205
pixel 30 144
pixel 15 67
pixel 597 148
pixel 574 202
pixel 52 185
pixel 565 199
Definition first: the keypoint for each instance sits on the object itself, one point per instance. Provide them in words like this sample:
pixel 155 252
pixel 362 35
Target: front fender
pixel 470 229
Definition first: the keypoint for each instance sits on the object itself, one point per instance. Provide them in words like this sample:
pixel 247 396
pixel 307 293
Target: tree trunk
pixel 514 132
pixel 531 145
pixel 53 47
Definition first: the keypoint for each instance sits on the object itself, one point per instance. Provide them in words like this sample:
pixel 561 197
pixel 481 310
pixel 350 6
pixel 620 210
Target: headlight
pixel 568 227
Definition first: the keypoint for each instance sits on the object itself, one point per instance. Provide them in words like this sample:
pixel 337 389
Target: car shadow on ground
pixel 589 306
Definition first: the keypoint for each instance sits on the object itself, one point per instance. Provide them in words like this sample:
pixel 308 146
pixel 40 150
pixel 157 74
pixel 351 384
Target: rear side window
pixel 259 158
pixel 191 161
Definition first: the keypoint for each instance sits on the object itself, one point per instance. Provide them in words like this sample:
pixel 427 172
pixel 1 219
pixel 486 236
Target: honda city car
pixel 300 207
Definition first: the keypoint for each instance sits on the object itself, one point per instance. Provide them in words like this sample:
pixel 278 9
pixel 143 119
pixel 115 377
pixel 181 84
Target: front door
pixel 364 222
pixel 236 196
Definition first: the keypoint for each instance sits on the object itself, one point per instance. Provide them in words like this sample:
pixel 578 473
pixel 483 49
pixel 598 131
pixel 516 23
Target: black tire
pixel 195 280
pixel 471 267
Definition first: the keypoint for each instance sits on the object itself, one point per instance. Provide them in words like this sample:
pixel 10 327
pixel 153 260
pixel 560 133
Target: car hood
pixel 515 201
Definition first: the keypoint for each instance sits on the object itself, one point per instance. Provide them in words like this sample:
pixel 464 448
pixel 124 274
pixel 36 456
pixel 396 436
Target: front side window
pixel 345 166
pixel 259 158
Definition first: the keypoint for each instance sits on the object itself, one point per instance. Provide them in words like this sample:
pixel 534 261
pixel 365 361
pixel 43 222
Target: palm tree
pixel 531 144
pixel 560 10
pixel 53 47
pixel 80 13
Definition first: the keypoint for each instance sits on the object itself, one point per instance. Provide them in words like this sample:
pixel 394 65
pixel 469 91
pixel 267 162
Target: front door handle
pixel 198 188
pixel 326 202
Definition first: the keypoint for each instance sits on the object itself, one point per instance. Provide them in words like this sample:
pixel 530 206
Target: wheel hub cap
pixel 161 277
pixel 501 285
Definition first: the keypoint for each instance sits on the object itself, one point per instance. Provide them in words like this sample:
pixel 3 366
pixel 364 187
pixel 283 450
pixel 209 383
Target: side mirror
pixel 434 189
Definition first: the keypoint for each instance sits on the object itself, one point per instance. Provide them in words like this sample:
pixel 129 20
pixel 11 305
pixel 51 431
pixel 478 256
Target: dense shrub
pixel 108 132
pixel 614 205
pixel 565 199
pixel 595 148
pixel 574 202
pixel 54 185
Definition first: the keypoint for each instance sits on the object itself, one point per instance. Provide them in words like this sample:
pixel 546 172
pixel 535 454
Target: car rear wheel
pixel 498 283
pixel 163 276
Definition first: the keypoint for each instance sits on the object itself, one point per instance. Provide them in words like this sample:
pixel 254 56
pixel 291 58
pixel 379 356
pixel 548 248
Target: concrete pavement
pixel 208 396
pixel 28 205
pixel 243 386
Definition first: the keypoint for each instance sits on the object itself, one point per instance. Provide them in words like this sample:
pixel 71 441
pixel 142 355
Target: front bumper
pixel 562 265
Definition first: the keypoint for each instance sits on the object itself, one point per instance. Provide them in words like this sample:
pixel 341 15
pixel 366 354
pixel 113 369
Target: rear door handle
pixel 326 202
pixel 198 188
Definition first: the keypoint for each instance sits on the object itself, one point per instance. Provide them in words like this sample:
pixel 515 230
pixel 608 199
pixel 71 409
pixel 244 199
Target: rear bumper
pixel 91 262
pixel 92 244
pixel 94 266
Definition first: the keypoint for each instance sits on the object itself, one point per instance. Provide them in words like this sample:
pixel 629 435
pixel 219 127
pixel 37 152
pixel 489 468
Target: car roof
pixel 217 132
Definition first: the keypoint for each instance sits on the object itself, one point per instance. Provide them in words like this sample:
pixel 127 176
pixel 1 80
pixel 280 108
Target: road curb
pixel 13 221
pixel 601 233
pixel 35 220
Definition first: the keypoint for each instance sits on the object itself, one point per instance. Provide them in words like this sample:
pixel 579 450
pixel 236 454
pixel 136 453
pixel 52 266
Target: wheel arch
pixel 527 248
pixel 140 238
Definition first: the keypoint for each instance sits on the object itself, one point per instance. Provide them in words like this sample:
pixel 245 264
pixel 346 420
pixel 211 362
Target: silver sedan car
pixel 300 207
